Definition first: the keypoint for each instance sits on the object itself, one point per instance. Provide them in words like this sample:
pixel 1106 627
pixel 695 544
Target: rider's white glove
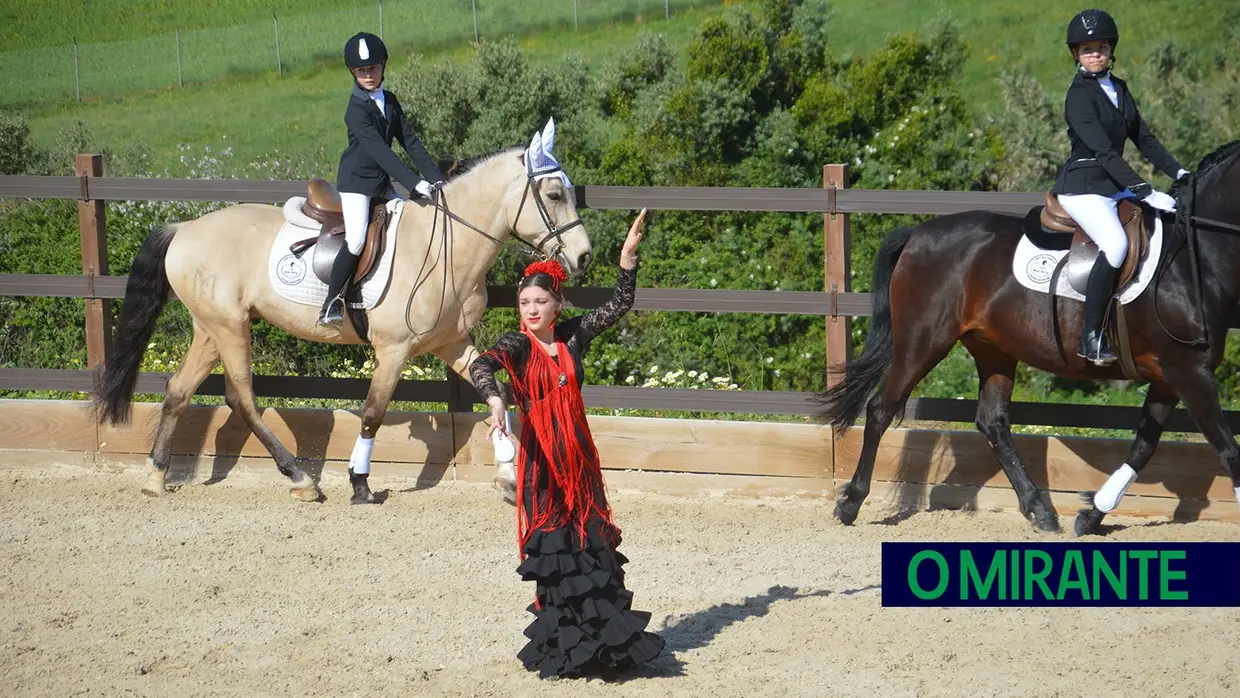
pixel 423 188
pixel 1160 201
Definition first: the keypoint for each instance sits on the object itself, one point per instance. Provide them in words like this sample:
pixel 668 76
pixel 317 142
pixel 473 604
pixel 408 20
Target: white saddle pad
pixel 294 279
pixel 1033 267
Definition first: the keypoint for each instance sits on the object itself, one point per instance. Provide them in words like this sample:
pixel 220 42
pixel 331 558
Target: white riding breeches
pixel 1098 217
pixel 356 210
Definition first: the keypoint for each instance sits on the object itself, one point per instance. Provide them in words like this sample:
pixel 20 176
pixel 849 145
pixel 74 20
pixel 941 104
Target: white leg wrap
pixel 359 462
pixel 506 471
pixel 1238 494
pixel 1108 497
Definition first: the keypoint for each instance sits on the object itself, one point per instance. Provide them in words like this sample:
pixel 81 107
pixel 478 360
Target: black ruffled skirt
pixel 583 622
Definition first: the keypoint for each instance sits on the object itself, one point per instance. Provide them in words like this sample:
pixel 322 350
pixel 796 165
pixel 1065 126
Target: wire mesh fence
pixel 284 44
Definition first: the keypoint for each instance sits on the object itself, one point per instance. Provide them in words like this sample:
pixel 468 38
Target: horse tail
pixel 841 404
pixel 145 295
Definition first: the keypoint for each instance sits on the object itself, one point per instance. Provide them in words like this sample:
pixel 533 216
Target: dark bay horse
pixel 950 279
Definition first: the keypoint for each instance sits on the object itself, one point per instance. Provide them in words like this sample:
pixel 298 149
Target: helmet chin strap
pixel 1091 74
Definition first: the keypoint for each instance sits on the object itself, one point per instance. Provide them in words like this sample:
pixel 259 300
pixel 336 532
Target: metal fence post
pixel 180 81
pixel 279 65
pixel 77 76
pixel 474 3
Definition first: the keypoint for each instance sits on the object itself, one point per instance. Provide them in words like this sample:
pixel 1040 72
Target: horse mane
pixel 458 167
pixel 1209 164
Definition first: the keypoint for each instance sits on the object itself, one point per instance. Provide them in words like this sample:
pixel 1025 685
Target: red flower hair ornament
pixel 551 268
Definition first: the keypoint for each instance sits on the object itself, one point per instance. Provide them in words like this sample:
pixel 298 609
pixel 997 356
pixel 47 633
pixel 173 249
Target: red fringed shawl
pixel 556 423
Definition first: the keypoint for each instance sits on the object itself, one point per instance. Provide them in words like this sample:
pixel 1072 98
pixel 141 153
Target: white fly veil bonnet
pixel 539 162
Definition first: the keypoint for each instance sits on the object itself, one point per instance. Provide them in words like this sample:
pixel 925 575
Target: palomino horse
pixel 951 279
pixel 218 267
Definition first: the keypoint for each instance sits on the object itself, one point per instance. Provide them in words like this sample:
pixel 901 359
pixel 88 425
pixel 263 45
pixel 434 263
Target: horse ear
pixel 548 136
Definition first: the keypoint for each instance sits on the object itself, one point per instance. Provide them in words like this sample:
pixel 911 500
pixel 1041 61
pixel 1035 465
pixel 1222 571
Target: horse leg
pixel 459 357
pixel 996 372
pixel 234 348
pixel 199 360
pixel 1199 391
pixel 911 361
pixel 389 359
pixel 1160 401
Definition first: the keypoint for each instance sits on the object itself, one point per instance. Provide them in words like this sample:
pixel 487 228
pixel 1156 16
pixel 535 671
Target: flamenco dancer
pixel 583 623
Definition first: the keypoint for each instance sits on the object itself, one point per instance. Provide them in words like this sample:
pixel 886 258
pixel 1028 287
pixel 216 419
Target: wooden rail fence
pixel 918 466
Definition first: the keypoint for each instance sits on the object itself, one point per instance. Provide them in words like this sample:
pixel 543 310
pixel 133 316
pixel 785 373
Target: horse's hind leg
pixel 199 360
pixel 996 373
pixel 459 356
pixel 234 348
pixel 1199 391
pixel 1160 402
pixel 912 360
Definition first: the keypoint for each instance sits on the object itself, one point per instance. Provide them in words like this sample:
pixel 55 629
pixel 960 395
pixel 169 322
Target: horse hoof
pixel 1047 524
pixel 508 489
pixel 846 511
pixel 306 494
pixel 363 498
pixel 156 482
pixel 1088 522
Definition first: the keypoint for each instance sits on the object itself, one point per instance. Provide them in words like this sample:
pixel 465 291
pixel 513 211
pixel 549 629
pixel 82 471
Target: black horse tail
pixel 841 404
pixel 145 296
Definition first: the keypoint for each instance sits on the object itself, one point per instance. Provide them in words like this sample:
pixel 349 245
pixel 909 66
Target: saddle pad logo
pixel 1040 268
pixel 291 270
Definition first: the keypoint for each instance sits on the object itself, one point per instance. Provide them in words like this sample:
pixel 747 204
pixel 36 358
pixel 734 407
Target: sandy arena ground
pixel 235 589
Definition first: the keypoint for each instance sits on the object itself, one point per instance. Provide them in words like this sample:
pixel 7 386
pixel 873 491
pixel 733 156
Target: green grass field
pixel 43 23
pixel 124 48
pixel 301 110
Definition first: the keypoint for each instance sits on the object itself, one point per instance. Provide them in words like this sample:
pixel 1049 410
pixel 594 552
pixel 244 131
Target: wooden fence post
pixel 457 387
pixel 835 230
pixel 93 223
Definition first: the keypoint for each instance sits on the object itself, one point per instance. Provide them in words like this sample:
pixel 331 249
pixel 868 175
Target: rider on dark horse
pixel 1101 116
pixel 368 165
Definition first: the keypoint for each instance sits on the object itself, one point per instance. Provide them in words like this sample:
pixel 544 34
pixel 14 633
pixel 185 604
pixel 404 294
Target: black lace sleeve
pixel 597 321
pixel 514 347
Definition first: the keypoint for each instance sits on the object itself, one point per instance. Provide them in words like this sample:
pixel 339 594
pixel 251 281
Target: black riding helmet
pixel 1092 25
pixel 364 48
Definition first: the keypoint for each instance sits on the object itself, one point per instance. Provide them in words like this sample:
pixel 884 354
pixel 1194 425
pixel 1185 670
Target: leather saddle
pixel 323 205
pixel 1056 230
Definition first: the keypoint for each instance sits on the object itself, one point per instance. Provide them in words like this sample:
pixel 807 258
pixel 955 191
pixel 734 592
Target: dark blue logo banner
pixel 1061 574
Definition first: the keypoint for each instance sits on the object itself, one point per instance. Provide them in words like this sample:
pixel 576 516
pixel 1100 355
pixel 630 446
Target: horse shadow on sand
pixel 311 430
pixel 944 471
pixel 699 629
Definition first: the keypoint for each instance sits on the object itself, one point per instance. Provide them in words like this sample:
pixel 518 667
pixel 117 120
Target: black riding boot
pixel 342 270
pixel 1098 292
